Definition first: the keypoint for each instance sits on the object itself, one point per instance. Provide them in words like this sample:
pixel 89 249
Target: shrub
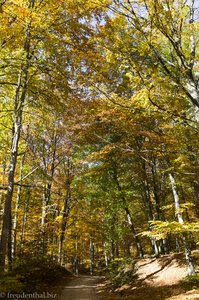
pixel 37 271
pixel 11 283
pixel 121 271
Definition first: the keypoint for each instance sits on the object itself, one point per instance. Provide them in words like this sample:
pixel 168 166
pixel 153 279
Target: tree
pixel 36 63
pixel 169 30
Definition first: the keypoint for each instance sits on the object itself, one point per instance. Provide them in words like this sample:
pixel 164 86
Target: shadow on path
pixel 81 288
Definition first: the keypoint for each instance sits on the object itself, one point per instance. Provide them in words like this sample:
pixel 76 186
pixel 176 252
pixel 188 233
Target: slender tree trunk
pixel 159 215
pixel 112 249
pixel 76 263
pixel 149 207
pixel 19 103
pixel 106 258
pixel 128 214
pixel 188 257
pixel 196 194
pixel 47 193
pixel 14 238
pixel 137 241
pixel 92 249
pixel 195 163
pixel 24 220
pixel 3 182
pixel 65 212
pixel 117 253
pixel 43 217
pixel 176 199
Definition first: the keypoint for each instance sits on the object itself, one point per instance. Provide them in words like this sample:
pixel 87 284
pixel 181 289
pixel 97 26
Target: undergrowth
pixel 32 274
pixel 121 271
pixel 194 279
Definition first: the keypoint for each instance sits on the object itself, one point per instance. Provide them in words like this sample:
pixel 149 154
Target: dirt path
pixel 160 278
pixel 81 288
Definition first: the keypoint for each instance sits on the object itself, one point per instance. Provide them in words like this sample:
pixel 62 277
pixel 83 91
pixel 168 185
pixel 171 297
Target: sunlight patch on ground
pixel 79 287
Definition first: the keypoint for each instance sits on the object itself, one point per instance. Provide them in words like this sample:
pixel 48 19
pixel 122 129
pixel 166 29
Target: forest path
pixel 82 288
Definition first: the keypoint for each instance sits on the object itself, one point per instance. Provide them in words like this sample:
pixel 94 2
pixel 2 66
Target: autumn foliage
pixel 99 130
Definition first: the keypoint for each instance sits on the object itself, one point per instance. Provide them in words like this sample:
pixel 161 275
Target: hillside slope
pixel 157 278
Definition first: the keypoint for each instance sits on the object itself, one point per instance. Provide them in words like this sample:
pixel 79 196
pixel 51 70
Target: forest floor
pixel 160 278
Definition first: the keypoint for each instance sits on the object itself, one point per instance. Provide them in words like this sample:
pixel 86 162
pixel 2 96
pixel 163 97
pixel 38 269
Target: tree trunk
pixel 112 249
pixel 178 212
pixel 176 199
pixel 140 251
pixel 106 258
pixel 47 192
pixel 137 240
pixel 14 238
pixel 149 206
pixel 24 220
pixel 65 212
pixel 196 194
pixel 76 263
pixel 3 182
pixel 19 103
pixel 19 100
pixel 92 249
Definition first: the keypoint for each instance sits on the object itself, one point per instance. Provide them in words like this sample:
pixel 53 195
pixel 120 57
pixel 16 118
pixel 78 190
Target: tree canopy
pixel 99 130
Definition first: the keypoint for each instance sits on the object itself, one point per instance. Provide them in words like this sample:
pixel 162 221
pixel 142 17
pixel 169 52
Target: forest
pixel 99 147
